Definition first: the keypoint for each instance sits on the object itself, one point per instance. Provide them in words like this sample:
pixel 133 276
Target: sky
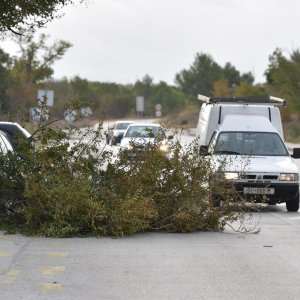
pixel 123 40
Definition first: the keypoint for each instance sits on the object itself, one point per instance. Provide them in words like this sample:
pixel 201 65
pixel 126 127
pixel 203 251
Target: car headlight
pixel 164 148
pixel 231 175
pixel 288 177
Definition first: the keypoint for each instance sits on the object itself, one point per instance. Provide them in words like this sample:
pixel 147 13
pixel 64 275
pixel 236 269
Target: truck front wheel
pixel 293 204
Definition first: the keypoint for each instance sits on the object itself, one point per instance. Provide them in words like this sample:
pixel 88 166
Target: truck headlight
pixel 231 175
pixel 288 177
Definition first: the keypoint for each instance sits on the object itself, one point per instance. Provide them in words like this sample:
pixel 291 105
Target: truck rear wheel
pixel 293 204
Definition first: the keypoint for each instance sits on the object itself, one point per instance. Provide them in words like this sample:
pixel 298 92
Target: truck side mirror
pixel 296 153
pixel 204 150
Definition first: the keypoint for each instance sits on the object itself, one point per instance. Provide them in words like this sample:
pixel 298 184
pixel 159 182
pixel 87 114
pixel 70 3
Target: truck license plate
pixel 259 191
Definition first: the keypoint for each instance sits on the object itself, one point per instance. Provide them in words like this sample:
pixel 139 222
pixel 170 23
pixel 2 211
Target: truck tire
pixel 293 204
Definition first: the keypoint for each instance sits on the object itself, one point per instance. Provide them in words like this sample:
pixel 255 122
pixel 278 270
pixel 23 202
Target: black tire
pixel 293 204
pixel 216 201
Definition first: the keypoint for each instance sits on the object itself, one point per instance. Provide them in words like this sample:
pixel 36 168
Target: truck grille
pixel 248 176
pixel 270 177
pixel 259 177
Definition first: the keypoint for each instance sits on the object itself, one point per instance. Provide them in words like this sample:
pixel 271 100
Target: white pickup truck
pixel 241 128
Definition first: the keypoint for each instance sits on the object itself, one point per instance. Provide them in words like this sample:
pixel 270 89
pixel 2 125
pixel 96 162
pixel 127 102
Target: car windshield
pixel 122 126
pixel 145 131
pixel 250 143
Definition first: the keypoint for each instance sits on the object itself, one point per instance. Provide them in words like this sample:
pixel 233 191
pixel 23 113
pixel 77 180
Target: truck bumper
pixel 283 192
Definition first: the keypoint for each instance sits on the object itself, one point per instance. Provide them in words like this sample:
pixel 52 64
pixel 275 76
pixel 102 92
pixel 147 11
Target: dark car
pixel 114 135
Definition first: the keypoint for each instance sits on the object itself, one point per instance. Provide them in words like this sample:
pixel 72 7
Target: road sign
pixel 86 111
pixel 39 114
pixel 158 113
pixel 158 106
pixel 140 106
pixel 47 95
pixel 70 115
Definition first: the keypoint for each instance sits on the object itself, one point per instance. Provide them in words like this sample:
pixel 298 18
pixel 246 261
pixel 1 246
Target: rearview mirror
pixel 296 153
pixel 204 150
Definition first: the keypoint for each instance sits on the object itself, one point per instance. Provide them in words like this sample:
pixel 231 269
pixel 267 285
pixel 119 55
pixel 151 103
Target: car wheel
pixel 293 204
pixel 216 200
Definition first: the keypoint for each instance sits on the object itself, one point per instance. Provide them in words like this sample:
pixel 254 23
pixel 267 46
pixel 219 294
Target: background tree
pixel 17 16
pixel 170 98
pixel 247 77
pixel 200 77
pixel 81 89
pixel 205 72
pixel 33 67
pixel 231 74
pixel 234 77
pixel 37 57
pixel 283 75
pixel 4 79
pixel 246 89
pixel 221 88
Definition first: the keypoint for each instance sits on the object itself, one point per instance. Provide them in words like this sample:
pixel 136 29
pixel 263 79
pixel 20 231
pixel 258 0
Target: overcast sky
pixel 122 40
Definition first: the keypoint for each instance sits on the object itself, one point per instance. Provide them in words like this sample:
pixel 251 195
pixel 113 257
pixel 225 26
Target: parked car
pixel 5 145
pixel 14 131
pixel 249 133
pixel 115 134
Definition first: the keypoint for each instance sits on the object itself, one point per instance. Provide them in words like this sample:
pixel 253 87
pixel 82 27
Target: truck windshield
pixel 250 143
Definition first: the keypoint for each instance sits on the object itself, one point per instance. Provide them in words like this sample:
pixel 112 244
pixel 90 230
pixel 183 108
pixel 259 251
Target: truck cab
pixel 248 134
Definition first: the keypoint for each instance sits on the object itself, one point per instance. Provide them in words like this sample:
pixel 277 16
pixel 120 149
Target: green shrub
pixel 68 187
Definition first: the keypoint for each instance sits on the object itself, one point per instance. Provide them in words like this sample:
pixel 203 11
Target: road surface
pixel 201 265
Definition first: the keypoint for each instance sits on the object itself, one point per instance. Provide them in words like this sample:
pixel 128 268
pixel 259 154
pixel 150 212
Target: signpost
pixel 140 105
pixel 39 114
pixel 70 115
pixel 158 108
pixel 47 95
pixel 86 111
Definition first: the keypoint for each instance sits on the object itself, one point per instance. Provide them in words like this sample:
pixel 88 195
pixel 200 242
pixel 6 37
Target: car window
pixel 145 131
pixel 4 145
pixel 250 143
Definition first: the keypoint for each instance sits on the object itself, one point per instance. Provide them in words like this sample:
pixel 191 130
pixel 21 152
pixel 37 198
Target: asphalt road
pixel 201 265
